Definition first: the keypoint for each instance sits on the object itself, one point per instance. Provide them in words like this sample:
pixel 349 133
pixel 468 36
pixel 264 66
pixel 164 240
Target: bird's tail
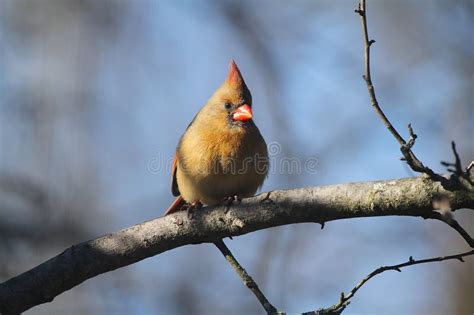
pixel 177 204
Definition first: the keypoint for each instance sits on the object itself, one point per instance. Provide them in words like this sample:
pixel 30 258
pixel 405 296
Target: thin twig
pixel 415 164
pixel 468 169
pixel 454 224
pixel 412 139
pixel 405 147
pixel 248 281
pixel 457 166
pixel 344 300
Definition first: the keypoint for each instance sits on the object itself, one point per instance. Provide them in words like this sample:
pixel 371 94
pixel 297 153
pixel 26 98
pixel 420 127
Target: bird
pixel 222 156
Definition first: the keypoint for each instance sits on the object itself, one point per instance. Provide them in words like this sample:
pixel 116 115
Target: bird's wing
pixel 174 183
pixel 174 168
pixel 179 202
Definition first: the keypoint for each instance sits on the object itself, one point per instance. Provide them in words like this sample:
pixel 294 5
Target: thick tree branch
pixel 404 197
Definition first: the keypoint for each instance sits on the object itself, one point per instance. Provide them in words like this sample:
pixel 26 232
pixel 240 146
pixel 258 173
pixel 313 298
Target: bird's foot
pixel 228 201
pixel 192 207
pixel 267 199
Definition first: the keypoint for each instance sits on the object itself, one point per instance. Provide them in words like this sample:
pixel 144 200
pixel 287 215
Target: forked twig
pixel 344 299
pixel 416 165
pixel 456 167
pixel 405 147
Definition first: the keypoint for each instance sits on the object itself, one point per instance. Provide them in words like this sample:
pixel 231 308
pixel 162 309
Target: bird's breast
pixel 214 165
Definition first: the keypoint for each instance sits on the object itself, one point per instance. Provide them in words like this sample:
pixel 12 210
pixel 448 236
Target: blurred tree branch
pixel 414 197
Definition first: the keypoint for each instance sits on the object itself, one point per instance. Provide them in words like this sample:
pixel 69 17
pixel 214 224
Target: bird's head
pixel 232 102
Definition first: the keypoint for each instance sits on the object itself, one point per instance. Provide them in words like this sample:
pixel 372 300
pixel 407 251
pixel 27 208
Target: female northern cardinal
pixel 222 154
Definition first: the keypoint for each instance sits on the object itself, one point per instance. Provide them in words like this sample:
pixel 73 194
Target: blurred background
pixel 94 96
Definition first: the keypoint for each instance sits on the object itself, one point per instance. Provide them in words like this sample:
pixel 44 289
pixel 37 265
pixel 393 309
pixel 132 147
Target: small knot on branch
pixel 470 167
pixel 413 136
pixel 359 10
pixel 371 42
pixel 237 223
pixel 342 298
pixel 249 283
pixel 408 156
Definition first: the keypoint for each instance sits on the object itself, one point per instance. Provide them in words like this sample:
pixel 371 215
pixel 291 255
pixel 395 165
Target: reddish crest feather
pixel 237 83
pixel 234 78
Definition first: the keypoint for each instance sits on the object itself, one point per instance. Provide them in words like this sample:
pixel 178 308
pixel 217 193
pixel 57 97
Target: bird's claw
pixel 266 199
pixel 191 207
pixel 228 201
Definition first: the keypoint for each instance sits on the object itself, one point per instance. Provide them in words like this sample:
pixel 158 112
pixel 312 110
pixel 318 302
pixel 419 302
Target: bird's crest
pixel 236 81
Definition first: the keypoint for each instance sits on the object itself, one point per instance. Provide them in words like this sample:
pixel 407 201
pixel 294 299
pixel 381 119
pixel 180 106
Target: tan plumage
pixel 222 153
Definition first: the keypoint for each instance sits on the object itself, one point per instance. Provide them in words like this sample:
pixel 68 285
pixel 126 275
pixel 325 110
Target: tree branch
pixel 344 300
pixel 405 147
pixel 405 197
pixel 462 180
pixel 248 281
pixel 449 220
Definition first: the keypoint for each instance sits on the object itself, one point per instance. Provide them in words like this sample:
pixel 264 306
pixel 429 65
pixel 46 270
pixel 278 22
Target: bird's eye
pixel 228 105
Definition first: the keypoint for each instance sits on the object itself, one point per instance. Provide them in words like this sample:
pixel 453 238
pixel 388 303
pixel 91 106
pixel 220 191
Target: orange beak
pixel 243 113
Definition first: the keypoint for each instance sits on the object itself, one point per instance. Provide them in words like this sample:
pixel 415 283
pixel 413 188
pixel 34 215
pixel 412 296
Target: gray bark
pixel 403 197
